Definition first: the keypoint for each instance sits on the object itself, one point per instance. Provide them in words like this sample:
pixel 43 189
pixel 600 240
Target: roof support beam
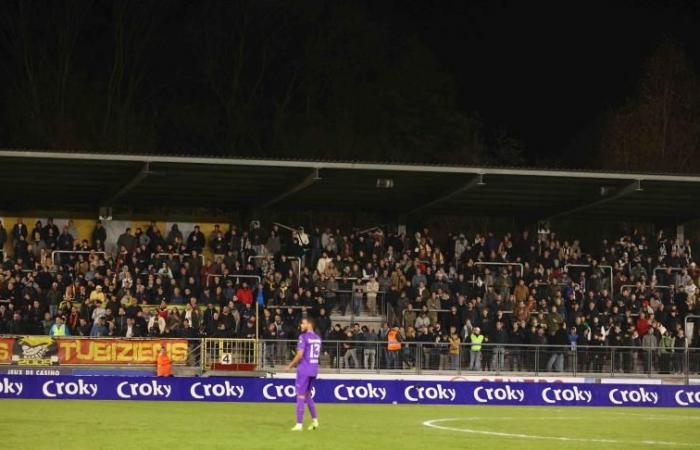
pixel 475 182
pixel 635 186
pixel 138 178
pixel 303 184
pixel 219 161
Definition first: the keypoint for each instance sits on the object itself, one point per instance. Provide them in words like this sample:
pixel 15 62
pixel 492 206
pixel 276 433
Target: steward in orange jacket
pixel 163 364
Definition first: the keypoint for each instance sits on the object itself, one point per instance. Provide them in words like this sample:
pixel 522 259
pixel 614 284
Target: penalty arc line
pixel 654 416
pixel 435 424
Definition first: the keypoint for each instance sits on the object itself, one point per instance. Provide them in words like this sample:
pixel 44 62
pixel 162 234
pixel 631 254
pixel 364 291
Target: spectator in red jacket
pixel 245 294
pixel 642 324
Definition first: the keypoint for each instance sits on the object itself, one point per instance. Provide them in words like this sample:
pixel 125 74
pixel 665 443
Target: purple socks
pixel 307 400
pixel 300 410
pixel 311 404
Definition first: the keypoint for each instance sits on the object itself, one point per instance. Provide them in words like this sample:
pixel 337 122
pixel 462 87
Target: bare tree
pixel 133 24
pixel 659 129
pixel 41 68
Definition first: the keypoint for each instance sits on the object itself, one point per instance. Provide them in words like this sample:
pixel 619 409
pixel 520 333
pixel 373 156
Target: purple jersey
pixel 310 343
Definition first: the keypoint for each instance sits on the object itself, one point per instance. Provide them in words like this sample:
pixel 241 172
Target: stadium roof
pixel 40 180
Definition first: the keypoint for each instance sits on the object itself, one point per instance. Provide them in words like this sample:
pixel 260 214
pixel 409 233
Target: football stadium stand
pixel 383 298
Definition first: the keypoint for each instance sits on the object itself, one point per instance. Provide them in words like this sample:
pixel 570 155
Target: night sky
pixel 427 81
pixel 545 70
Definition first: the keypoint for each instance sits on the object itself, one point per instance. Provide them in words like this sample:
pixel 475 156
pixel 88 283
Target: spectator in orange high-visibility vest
pixel 163 364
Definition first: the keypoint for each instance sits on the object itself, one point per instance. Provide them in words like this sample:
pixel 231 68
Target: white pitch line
pixel 653 416
pixel 434 424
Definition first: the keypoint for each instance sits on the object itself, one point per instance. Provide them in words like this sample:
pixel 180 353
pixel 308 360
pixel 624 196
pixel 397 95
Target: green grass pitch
pixel 75 424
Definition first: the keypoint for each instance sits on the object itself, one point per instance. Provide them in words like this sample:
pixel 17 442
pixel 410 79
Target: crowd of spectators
pixel 516 288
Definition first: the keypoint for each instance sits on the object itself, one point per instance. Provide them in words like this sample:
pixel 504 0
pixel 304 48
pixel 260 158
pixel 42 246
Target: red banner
pixel 119 351
pixel 6 350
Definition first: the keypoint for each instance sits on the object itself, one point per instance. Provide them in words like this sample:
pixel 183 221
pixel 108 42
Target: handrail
pixel 486 263
pixel 180 255
pixel 288 257
pixel 673 269
pixel 230 275
pixel 659 286
pixel 43 269
pixel 298 267
pixel 602 266
pixel 418 311
pixel 547 283
pixel 685 324
pixel 687 345
pixel 259 257
pixel 288 306
pixel 78 252
pixel 350 291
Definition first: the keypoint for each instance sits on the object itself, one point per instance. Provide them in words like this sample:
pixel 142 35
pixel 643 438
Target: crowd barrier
pixel 348 391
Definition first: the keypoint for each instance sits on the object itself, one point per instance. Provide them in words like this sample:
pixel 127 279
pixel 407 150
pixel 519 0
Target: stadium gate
pixel 229 354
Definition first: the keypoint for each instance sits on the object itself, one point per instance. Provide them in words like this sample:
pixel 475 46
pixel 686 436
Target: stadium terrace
pixel 485 281
pixel 461 298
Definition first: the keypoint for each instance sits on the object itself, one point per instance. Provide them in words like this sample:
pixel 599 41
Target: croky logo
pixel 641 395
pixel 201 390
pixel 362 392
pixel 687 398
pixel 151 389
pixel 504 394
pixel 417 393
pixel 273 391
pixel 8 387
pixel 557 395
pixel 79 388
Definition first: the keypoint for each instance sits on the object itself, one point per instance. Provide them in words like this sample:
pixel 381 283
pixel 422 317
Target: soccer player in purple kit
pixel 308 351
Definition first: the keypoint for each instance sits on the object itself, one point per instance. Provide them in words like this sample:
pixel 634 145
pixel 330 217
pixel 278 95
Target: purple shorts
pixel 303 384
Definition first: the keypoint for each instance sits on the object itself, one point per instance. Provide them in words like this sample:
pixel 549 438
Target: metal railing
pixel 486 263
pixel 673 269
pixel 271 258
pixel 76 252
pixel 251 257
pixel 441 357
pixel 644 286
pixel 534 360
pixel 298 260
pixel 181 255
pixel 344 302
pixel 610 268
pixel 229 354
pixel 219 275
pixel 43 269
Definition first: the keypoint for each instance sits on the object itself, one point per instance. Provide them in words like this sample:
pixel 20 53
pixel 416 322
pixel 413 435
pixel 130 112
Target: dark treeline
pixel 314 79
pixel 274 78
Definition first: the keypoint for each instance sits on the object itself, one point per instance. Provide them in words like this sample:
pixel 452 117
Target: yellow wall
pixel 85 227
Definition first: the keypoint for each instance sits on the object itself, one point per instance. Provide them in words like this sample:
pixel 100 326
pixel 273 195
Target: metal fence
pixel 345 356
pixel 432 357
pixel 229 354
